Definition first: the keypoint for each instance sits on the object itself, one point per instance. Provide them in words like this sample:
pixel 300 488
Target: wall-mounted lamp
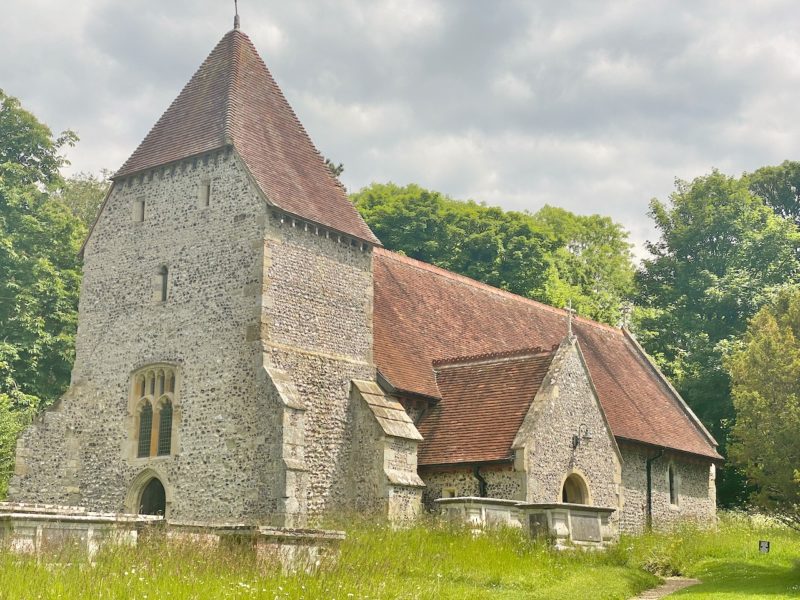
pixel 583 435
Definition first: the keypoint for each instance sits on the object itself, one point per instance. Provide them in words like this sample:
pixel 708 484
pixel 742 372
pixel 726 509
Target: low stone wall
pixel 47 529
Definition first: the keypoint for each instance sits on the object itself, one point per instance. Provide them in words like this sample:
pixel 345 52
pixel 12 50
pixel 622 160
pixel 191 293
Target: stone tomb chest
pixel 565 524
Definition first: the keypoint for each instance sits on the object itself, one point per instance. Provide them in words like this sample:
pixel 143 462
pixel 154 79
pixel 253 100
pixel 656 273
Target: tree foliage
pixel 550 256
pixel 721 255
pixel 84 193
pixel 39 272
pixel 779 187
pixel 765 372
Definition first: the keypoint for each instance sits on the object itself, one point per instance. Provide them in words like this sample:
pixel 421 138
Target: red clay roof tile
pixel 423 313
pixel 484 401
pixel 232 99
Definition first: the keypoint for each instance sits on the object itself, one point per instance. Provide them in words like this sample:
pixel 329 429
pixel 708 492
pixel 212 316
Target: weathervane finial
pixel 236 16
pixel 570 313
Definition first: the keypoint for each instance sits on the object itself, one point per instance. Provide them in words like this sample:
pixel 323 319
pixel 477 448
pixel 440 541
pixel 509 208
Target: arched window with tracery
pixel 153 400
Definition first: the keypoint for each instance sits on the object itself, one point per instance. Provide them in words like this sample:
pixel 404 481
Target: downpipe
pixel 482 487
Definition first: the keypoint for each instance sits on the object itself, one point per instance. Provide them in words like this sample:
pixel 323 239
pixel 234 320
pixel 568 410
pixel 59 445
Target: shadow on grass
pixel 745 579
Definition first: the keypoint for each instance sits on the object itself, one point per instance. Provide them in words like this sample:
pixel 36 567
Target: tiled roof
pixel 484 401
pixel 232 99
pixel 423 313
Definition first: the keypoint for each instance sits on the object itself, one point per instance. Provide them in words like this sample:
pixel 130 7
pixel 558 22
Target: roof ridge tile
pixel 490 356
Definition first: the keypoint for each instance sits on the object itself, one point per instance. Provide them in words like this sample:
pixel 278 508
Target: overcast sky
pixel 593 106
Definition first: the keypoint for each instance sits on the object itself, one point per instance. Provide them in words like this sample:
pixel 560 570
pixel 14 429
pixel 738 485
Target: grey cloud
pixel 593 106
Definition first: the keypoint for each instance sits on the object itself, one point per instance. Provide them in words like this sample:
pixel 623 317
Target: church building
pixel 247 351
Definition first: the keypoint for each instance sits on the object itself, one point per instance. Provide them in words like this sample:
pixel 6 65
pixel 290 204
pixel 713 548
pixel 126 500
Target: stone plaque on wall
pixel 585 528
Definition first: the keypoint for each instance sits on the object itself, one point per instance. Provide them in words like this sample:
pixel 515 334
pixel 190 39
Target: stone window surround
pixel 139 210
pixel 162 284
pixel 157 400
pixel 205 190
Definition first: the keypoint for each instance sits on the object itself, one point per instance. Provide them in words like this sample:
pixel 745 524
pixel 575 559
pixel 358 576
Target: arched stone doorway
pixel 149 494
pixel 575 490
pixel 153 500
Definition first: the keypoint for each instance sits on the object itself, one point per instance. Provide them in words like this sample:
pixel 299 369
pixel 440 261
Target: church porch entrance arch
pixel 575 490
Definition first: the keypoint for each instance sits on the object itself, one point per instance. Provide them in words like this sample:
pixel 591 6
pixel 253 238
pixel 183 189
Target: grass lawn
pixel 727 561
pixel 428 561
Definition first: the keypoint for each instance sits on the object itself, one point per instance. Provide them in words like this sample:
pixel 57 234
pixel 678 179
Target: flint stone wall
pixel 544 444
pixel 382 474
pixel 80 452
pixel 695 485
pixel 316 326
pixel 500 483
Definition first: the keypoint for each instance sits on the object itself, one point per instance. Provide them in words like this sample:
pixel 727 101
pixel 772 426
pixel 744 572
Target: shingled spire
pixel 232 100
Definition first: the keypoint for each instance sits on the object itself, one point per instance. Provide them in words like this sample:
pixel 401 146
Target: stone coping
pixel 261 530
pixel 54 512
pixel 478 500
pixel 19 511
pixel 524 505
pixel 299 534
pixel 567 506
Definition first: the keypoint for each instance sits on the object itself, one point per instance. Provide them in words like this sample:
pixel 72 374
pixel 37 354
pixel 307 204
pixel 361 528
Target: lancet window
pixel 154 402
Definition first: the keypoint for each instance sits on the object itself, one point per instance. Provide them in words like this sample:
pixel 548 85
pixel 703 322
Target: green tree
pixel 779 187
pixel 593 264
pixel 84 193
pixel 28 151
pixel 551 256
pixel 721 255
pixel 765 373
pixel 39 273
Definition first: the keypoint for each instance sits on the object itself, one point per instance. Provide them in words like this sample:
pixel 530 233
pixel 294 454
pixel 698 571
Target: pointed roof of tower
pixel 233 100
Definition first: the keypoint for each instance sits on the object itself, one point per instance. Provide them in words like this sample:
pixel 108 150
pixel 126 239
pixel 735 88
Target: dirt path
pixel 671 584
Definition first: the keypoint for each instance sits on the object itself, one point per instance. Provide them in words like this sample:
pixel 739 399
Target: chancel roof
pixel 423 314
pixel 233 100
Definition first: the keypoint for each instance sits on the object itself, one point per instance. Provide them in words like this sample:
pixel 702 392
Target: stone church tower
pixel 225 308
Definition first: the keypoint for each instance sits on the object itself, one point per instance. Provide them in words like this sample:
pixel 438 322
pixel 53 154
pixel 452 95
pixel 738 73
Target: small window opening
pixel 205 194
pixel 145 430
pixel 673 486
pixel 138 211
pixel 163 274
pixel 449 492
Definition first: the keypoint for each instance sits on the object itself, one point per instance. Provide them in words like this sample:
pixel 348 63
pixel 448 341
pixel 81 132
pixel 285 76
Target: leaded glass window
pixel 145 429
pixel 165 428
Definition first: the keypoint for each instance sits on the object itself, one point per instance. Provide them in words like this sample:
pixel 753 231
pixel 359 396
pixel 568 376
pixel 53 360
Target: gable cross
pixel 571 312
